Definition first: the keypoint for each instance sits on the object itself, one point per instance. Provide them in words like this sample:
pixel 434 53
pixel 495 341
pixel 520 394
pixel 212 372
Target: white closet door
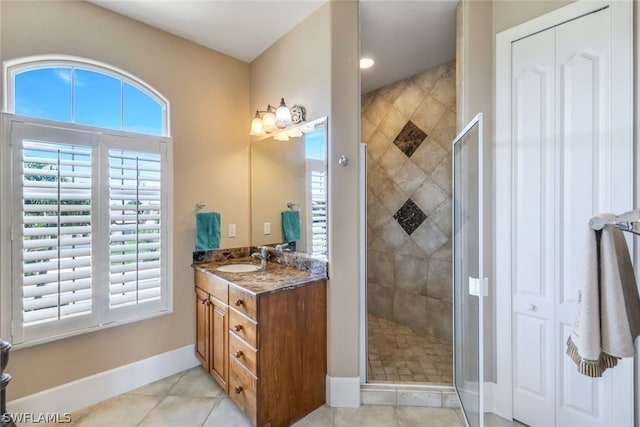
pixel 566 167
pixel 593 177
pixel 534 230
pixel 533 237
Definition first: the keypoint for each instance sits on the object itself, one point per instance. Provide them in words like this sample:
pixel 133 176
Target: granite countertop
pixel 277 277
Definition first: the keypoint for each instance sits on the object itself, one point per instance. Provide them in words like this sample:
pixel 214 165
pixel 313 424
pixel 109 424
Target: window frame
pixel 16 66
pixel 9 295
pixel 8 286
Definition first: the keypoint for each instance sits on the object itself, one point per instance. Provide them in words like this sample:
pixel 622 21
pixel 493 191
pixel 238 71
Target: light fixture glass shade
pixel 269 119
pixel 283 115
pixel 256 126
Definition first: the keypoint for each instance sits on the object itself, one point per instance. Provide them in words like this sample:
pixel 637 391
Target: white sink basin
pixel 238 268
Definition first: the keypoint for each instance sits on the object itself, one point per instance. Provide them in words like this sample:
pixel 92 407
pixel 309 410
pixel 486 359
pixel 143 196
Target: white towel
pixel 608 310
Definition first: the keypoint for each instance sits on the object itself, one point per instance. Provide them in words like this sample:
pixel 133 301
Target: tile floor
pixel 401 355
pixel 192 399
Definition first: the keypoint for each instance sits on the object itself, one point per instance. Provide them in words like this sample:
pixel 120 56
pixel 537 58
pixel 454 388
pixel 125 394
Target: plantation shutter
pixel 56 231
pixel 319 212
pixel 90 245
pixel 134 228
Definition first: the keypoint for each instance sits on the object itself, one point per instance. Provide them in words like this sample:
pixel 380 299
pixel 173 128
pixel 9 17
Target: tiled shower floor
pixel 399 354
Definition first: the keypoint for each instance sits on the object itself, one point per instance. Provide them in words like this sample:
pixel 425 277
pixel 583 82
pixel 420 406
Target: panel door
pixel 534 229
pixel 567 167
pixel 202 328
pixel 594 176
pixel 219 340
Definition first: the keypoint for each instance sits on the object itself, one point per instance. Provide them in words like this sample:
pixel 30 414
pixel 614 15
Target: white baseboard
pixel 343 392
pixel 87 391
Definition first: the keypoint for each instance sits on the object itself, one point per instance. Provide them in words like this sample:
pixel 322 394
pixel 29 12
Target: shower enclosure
pixel 469 284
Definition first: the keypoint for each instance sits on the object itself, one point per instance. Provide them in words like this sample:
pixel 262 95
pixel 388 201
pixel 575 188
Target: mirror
pixel 288 176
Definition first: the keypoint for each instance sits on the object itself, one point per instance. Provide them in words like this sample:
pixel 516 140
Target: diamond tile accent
pixel 409 138
pixel 410 216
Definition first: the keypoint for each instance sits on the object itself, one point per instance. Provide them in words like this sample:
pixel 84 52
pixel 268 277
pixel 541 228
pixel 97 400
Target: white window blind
pixel 56 229
pixel 89 229
pixel 319 212
pixel 134 228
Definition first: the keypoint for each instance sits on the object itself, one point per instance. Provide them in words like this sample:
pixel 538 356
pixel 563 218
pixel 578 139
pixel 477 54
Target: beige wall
pixel 316 65
pixel 296 67
pixel 209 95
pixel 344 217
pixel 508 14
pixel 278 176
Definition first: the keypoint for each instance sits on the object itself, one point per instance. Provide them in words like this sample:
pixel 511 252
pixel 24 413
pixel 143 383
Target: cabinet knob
pixel 238 328
pixel 531 307
pixel 238 354
pixel 238 389
pixel 206 302
pixel 239 302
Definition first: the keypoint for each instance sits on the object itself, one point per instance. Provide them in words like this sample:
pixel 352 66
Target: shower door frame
pixel 482 288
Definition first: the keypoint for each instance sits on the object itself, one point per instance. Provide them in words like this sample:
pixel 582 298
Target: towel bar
pixel 628 221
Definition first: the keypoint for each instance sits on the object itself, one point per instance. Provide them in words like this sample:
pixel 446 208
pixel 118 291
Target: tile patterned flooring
pixel 192 399
pixel 400 355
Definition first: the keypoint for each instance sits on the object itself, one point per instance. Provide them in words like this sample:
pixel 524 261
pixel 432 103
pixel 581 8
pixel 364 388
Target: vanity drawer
pixel 243 302
pixel 243 327
pixel 213 285
pixel 242 389
pixel 243 353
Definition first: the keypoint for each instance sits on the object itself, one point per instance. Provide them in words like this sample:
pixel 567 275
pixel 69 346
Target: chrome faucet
pixel 263 255
pixel 283 247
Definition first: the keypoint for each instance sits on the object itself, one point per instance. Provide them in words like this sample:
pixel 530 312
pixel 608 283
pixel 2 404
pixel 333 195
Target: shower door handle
pixel 476 288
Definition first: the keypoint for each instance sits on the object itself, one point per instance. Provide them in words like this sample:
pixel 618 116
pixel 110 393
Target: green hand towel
pixel 207 231
pixel 290 226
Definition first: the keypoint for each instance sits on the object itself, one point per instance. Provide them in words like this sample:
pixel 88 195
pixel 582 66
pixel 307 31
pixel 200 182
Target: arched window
pixel 85 162
pixel 76 90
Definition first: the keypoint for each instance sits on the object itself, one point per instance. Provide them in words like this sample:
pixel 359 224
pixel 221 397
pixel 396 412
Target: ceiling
pixel 403 37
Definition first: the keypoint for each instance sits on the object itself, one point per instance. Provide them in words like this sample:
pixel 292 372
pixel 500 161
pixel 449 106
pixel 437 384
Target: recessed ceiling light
pixel 366 63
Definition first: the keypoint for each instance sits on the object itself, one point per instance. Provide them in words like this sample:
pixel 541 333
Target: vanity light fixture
pixel 271 119
pixel 264 121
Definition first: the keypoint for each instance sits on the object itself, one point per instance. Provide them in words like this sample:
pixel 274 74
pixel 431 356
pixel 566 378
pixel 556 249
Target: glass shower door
pixel 468 277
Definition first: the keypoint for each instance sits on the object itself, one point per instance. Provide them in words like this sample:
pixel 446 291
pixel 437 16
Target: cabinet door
pixel 202 328
pixel 219 337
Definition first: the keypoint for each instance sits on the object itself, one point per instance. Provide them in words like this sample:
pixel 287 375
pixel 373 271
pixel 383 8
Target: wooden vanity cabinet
pixel 212 314
pixel 276 364
pixel 282 377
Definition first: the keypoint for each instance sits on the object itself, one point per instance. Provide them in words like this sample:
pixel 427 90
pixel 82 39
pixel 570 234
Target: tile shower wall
pixel 409 127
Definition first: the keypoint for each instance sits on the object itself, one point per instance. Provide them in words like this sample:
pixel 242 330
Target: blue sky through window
pixel 44 93
pixel 98 100
pixel 315 145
